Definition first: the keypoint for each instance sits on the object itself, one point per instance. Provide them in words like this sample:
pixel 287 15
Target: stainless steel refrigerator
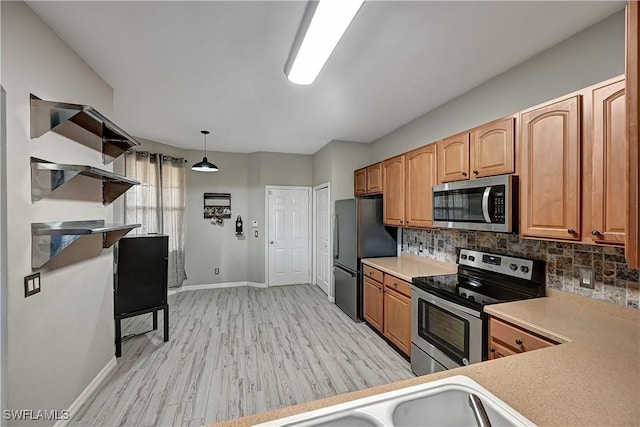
pixel 358 233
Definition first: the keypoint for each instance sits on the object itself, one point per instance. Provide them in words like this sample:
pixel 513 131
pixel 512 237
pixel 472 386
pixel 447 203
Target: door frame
pixel 327 185
pixel 266 227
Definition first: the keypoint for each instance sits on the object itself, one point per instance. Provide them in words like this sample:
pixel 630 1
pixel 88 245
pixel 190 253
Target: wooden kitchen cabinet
pixel 393 190
pixel 373 303
pixel 387 306
pixel 360 182
pixel 487 150
pixel 550 140
pixel 368 180
pixel 397 319
pixel 420 176
pixel 493 148
pixel 506 339
pixel 609 177
pixel 374 178
pixel 632 72
pixel 453 158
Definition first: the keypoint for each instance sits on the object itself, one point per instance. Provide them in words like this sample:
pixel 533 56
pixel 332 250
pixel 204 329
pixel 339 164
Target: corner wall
pixel 62 337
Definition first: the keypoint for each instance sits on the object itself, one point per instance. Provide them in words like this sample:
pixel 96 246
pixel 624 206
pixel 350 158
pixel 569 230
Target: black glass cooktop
pixel 467 291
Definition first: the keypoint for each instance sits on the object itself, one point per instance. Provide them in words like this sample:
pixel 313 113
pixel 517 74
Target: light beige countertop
pixel 591 379
pixel 408 266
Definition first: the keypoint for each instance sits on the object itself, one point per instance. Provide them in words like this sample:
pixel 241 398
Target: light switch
pixel 31 284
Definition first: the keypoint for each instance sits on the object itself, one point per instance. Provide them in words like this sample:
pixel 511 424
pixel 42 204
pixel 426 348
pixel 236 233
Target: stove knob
pixel 463 256
pixel 513 267
pixel 472 258
pixel 471 298
pixel 463 295
pixel 524 269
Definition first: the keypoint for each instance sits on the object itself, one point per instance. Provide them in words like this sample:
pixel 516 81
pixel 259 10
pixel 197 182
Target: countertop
pixel 591 379
pixel 408 266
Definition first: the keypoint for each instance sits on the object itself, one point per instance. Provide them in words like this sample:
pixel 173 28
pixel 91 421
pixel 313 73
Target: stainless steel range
pixel 448 326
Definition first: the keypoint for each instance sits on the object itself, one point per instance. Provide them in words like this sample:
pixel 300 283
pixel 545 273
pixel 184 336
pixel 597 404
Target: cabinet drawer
pixel 515 338
pixel 397 285
pixel 373 273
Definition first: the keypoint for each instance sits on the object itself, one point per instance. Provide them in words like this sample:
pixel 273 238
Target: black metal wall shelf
pixel 46 177
pixel 65 119
pixel 49 239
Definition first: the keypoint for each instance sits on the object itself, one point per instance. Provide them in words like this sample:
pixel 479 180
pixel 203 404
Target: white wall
pixel 270 169
pixel 3 253
pixel 593 55
pixel 211 246
pixel 60 338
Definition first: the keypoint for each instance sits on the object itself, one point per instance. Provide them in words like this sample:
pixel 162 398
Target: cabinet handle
pixel 401 221
pixel 595 233
pixel 464 174
pixel 518 341
pixel 571 231
pixel 492 350
pixel 475 172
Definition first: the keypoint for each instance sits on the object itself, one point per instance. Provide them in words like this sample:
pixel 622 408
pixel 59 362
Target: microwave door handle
pixel 485 204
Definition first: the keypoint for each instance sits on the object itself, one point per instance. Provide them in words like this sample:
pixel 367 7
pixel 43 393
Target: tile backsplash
pixel 615 281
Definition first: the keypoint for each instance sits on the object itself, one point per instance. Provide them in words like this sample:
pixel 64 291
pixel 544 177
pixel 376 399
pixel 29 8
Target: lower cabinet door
pixel 397 320
pixel 373 303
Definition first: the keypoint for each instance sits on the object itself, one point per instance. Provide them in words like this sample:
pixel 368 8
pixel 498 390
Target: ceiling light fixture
pixel 204 165
pixel 322 27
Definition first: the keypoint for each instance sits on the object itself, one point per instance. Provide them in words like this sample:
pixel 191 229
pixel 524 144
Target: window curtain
pixel 158 203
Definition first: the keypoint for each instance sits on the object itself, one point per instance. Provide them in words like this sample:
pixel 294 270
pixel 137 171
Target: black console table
pixel 140 281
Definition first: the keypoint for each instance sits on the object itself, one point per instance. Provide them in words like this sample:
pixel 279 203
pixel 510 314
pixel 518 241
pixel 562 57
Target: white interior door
pixel 322 243
pixel 288 235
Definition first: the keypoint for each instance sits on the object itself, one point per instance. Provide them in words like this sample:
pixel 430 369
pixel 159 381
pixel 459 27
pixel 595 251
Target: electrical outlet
pixel 31 284
pixel 217 271
pixel 587 277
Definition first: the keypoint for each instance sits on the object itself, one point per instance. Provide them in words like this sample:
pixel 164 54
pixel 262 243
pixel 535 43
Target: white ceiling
pixel 179 67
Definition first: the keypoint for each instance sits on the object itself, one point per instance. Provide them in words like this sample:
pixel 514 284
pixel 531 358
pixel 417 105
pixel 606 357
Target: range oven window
pixel 444 330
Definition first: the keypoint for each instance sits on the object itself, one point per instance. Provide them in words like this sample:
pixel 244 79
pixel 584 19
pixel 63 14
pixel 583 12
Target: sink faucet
pixel 478 411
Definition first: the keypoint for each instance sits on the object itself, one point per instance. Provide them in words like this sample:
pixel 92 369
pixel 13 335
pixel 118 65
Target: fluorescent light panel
pixel 330 20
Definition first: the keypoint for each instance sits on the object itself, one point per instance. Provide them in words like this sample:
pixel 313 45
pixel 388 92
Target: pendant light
pixel 204 165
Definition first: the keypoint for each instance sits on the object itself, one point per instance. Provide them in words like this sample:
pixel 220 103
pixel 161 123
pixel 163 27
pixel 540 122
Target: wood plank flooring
pixel 235 352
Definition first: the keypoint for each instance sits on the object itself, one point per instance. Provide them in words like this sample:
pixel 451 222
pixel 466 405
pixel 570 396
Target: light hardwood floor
pixel 239 351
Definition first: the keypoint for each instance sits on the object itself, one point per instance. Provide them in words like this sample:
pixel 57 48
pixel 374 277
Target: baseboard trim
pixel 88 391
pixel 185 288
pixel 331 299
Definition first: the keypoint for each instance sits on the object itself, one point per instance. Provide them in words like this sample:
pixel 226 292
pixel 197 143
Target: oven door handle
pixel 452 307
pixel 485 204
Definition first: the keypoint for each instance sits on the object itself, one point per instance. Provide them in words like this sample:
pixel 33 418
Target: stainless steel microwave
pixel 484 204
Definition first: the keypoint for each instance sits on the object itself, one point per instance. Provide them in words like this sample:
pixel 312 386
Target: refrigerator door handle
pixel 350 273
pixel 336 237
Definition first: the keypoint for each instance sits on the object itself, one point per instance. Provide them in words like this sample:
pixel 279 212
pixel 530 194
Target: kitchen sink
pixel 438 403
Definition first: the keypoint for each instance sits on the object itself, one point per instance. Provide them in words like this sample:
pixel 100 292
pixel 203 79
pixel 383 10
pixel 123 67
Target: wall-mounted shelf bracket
pixel 47 177
pixel 64 118
pixel 48 239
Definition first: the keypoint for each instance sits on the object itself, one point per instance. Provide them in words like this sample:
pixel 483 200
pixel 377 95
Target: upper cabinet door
pixel 374 178
pixel 420 177
pixel 393 190
pixel 360 182
pixel 609 178
pixel 550 179
pixel 492 149
pixel 632 72
pixel 453 158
